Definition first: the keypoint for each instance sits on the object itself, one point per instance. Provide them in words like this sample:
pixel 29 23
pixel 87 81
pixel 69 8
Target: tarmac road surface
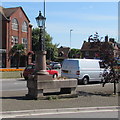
pixel 88 96
pixel 14 84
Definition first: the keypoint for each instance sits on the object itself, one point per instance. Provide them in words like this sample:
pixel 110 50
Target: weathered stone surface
pixel 43 78
pixel 56 84
pixel 37 84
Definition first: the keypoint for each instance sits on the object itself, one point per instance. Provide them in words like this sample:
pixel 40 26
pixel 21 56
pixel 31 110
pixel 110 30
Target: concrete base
pixel 37 84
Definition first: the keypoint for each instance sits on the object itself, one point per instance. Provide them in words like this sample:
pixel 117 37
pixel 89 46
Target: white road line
pixel 89 85
pixel 65 112
pixel 8 114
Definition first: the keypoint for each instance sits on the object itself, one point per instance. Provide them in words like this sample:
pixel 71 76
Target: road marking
pixel 59 111
pixel 65 112
pixel 73 112
pixel 89 85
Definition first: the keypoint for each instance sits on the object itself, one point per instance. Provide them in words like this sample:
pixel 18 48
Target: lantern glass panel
pixel 40 20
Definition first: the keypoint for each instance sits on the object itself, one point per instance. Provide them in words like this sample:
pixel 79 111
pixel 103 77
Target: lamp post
pixel 41 53
pixel 70 41
pixel 41 80
pixel 70 37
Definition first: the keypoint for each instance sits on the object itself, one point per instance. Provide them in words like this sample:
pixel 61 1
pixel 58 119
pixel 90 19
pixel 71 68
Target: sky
pixel 84 18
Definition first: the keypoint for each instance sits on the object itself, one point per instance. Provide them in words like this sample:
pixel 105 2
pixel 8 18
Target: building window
pixel 87 53
pixel 14 40
pixel 14 24
pixel 25 43
pixel 24 27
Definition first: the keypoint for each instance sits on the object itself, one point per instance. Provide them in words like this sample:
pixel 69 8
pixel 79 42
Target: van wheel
pixel 85 80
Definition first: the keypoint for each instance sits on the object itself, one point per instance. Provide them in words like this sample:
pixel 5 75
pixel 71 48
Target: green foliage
pixel 74 53
pixel 17 51
pixel 52 51
pixel 52 98
pixel 35 39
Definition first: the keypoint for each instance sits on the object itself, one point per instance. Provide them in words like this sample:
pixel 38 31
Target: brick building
pixel 96 49
pixel 63 52
pixel 16 29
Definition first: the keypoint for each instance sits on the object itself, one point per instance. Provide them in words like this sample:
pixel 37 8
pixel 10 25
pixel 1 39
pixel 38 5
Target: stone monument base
pixel 37 84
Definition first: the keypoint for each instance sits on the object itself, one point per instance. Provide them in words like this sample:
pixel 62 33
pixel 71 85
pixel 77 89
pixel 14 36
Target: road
pixel 13 84
pixel 82 114
pixel 91 95
pixel 21 84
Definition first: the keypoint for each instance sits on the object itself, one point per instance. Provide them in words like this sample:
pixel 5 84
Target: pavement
pixel 88 97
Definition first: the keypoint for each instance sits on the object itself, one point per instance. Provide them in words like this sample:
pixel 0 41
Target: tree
pixel 17 51
pixel 74 53
pixel 35 39
pixel 51 48
pixel 107 55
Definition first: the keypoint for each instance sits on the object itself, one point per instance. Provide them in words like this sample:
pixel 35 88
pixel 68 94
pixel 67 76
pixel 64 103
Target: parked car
pixel 55 65
pixel 85 70
pixel 31 68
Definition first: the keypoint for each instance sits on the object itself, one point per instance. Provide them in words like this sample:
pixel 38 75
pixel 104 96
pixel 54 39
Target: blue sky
pixel 85 18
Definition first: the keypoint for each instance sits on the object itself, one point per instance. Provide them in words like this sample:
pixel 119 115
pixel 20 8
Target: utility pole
pixel 70 37
pixel 44 26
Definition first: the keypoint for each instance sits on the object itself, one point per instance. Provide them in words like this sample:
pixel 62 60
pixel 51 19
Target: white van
pixel 85 70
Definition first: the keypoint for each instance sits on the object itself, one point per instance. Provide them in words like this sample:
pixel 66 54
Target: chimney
pixel 112 40
pixel 106 38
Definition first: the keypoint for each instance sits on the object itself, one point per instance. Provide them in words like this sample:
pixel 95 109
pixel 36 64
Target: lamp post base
pixel 40 64
pixel 42 72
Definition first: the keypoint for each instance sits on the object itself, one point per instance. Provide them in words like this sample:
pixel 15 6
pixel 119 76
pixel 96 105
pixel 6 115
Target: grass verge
pixel 13 74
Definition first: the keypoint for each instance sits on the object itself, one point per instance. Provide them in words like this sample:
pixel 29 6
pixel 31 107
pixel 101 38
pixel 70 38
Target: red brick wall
pixel 21 17
pixel 3 34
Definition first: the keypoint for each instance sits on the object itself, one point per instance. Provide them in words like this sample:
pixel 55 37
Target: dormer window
pixel 24 27
pixel 14 24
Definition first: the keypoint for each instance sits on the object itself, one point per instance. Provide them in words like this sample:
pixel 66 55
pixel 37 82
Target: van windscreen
pixel 70 64
pixel 102 65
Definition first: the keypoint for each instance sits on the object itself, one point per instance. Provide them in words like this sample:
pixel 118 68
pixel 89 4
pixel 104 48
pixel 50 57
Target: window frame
pixel 25 42
pixel 14 40
pixel 15 24
pixel 25 27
